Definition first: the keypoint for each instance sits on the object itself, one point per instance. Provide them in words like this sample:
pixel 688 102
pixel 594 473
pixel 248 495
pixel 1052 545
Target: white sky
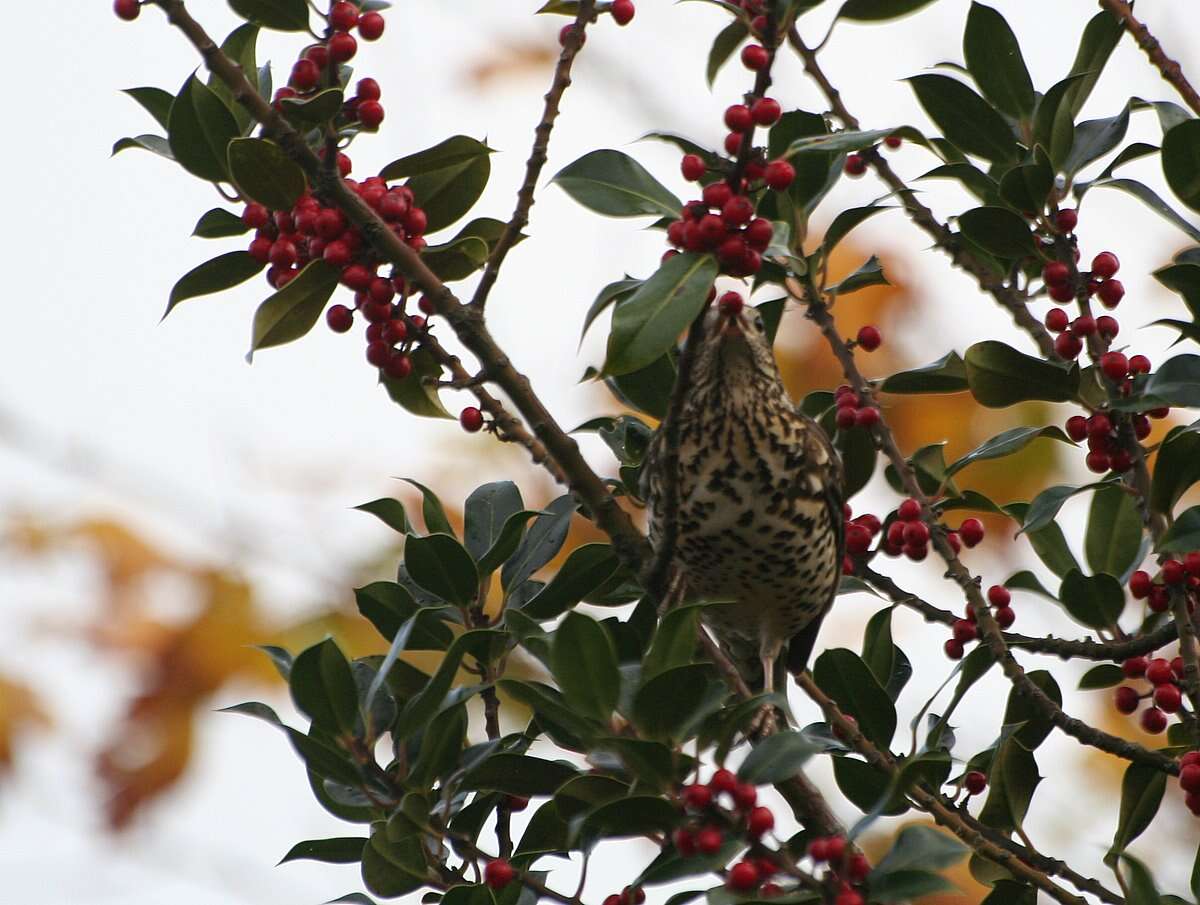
pixel 214 457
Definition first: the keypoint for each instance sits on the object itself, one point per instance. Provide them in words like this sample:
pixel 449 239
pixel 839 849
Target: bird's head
pixel 734 346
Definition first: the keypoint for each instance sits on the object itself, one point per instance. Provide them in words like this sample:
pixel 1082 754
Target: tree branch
pixel 1189 649
pixel 628 543
pixel 537 157
pixel 1171 71
pixel 1009 297
pixel 1066 648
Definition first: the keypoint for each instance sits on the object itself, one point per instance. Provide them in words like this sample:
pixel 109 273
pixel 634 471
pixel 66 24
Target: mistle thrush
pixel 760 495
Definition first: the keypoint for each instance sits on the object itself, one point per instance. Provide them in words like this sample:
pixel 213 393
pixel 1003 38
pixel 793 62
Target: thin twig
pixel 1012 299
pixel 628 543
pixel 1015 858
pixel 1171 71
pixel 537 157
pixel 1066 648
pixel 1189 649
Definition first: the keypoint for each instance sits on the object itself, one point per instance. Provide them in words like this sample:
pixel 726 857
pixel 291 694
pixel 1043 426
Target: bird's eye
pixel 758 321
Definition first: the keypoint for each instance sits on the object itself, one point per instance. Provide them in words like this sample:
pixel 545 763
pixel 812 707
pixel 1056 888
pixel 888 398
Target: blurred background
pixel 164 506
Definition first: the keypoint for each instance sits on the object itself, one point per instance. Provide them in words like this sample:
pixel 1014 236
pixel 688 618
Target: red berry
pixel 1114 365
pixel 964 631
pixel 343 16
pixel 760 821
pixel 260 249
pixel 471 419
pixel 342 47
pixel 567 31
pixel 766 111
pixel 1111 292
pixel 685 844
pixel 398 367
pixel 357 277
pixel 1105 265
pixel 846 418
pixel 1141 425
pixel 869 338
pixel 1126 700
pixel 975 782
pixel 870 522
pixel 1139 364
pixel 866 417
pixel 1121 460
pixel 908 511
pixel 370 114
pixel 378 353
pixel 755 57
pixel 723 781
pixel 738 118
pixel 742 877
pixel 613 899
pixel 395 330
pixel 1056 273
pixel 1154 720
pixel 770 891
pixel 370 26
pixel 733 144
pixel 1068 346
pixel 1097 461
pixel 1077 428
pixel 622 11
pixel 1191 564
pixel 916 534
pixel 895 534
pixel 1192 757
pixel 717 195
pixel 1134 667
pixel 971 531
pixel 709 840
pixel 1139 586
pixel 893 142
pixel 336 254
pixel 368 90
pixel 837 848
pixel 1062 292
pixel 1107 326
pixel 283 253
pixel 1066 219
pixel 758 233
pixel 858 539
pixel 855 165
pixel 127 9
pixel 1189 777
pixel 319 54
pixel 745 796
pixel 916 552
pixel 1168 698
pixel 731 303
pixel 779 175
pixel 1057 320
pixel 848 400
pixel 998 596
pixel 1158 671
pixel 1160 599
pixel 305 75
pixel 818 849
pixel 697 797
pixel 953 648
pixel 498 874
pixel 339 318
pixel 737 210
pixel 693 167
pixel 1173 572
pixel 1005 616
pixel 255 215
pixel 1084 325
pixel 848 897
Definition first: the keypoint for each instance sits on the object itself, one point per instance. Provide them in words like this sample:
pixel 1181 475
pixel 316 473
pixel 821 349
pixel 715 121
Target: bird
pixel 760 499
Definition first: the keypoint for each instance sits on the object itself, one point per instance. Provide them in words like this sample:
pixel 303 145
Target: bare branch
pixel 1171 70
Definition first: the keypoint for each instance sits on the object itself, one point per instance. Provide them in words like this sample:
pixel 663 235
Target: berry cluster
pixel 965 630
pixel 859 533
pixel 847 867
pixel 1189 780
pixel 850 411
pixel 1183 575
pixel 1164 677
pixel 856 164
pixel 721 809
pixel 1105 451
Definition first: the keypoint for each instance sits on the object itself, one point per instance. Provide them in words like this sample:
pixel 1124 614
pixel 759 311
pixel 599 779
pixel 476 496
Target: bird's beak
pixel 730 326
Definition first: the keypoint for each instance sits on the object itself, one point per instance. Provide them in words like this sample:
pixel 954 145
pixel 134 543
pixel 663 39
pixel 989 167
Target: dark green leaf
pixel 548 705
pixel 867 788
pixel 221 273
pixel 1096 601
pixel 1152 201
pixel 154 101
pixel 723 46
pixel 200 129
pixel 1139 882
pixel 998 231
pixel 417 393
pixel 1142 789
pixel 637 815
pixel 155 144
pixel 219 224
pixel 994 60
pixel 542 542
pixel 1005 444
pixel 1044 508
pixel 585 570
pixel 1114 532
pixel 843 676
pixel 1094 139
pixel 263 173
pixel 648 323
pixel 291 312
pixel 671 705
pixel 241 46
pixel 858 454
pixel 1104 675
pixel 869 273
pixel 1023 712
pixel 776 758
pixel 674 642
pixel 457 259
pixel 323 760
pixel 879 651
pixel 1000 376
pixel 388 605
pixel 281 15
pixel 1176 469
pixel 393 869
pixel 584 663
pixel 439 564
pixel 315 110
pixel 342 850
pixel 1176 383
pixel 647 389
pixel 614 184
pixel 480 643
pixel 1181 162
pixel 506 544
pixel 1183 535
pixel 452 154
pixel 946 375
pixel 582 793
pixel 965 118
pixel 520 774
pixel 845 221
pixel 919 847
pixel 448 192
pixel 281 659
pixel 545 833
pixel 487 510
pixel 1183 278
pixel 1012 779
pixel 836 142
pixel 613 292
pixel 323 688
pixel 390 512
pixel 1027 187
pixel 1100 37
pixel 879 10
pixel 973 179
pixel 1054 122
pixel 907 885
